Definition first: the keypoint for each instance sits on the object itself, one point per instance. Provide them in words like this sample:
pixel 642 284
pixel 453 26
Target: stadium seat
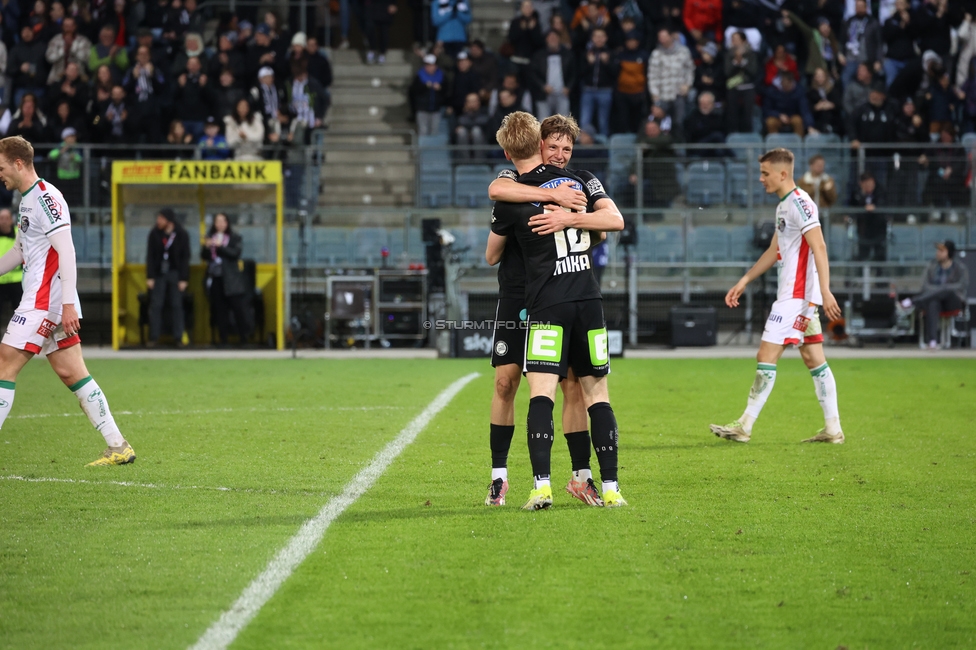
pixel 293 245
pixel 645 244
pixel 436 188
pixel 934 233
pixel 705 181
pixel 78 238
pixel 739 175
pixel 904 245
pixel 471 186
pixel 839 248
pixel 329 246
pixel 416 250
pixel 255 243
pixel 825 144
pixel 789 141
pixel 740 244
pixel 435 141
pixel 367 243
pixel 740 145
pixel 667 244
pixel 709 244
pixel 623 157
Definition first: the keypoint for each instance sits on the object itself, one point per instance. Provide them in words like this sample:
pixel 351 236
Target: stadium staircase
pixel 368 161
pixel 490 20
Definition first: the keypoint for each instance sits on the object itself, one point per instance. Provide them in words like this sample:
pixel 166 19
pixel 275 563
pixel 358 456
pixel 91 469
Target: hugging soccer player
pixel 49 316
pixel 590 209
pixel 804 284
pixel 564 308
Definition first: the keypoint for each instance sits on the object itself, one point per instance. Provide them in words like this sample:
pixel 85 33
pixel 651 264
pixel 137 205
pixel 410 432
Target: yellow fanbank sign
pixel 195 190
pixel 196 172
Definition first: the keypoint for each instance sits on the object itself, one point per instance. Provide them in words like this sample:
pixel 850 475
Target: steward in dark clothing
pixel 226 284
pixel 167 274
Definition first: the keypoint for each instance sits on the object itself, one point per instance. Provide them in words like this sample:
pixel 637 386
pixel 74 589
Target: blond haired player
pixel 49 316
pixel 804 284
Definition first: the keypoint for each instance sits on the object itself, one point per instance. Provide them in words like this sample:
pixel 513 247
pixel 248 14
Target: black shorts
pixel 569 335
pixel 508 340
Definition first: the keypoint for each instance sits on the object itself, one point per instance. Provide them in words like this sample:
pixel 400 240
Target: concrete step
pixel 367 97
pixel 342 57
pixel 357 190
pixel 366 142
pixel 389 71
pixel 354 157
pixel 368 114
pixel 381 199
pixel 354 84
pixel 371 171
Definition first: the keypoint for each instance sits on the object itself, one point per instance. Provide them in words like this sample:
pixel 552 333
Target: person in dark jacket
pixel 630 94
pixel 944 289
pixel 226 285
pixel 167 274
pixel 933 28
pixel 710 73
pixel 872 225
pixel 785 108
pixel 144 84
pixel 27 66
pixel 466 81
pixel 72 88
pixel 379 15
pixel 873 123
pixel 525 37
pixel 825 102
pixel 706 124
pixel 898 33
pixel 910 129
pixel 552 74
pixel 193 98
pixel 427 96
pixel 598 78
pixel 228 57
pixel 741 72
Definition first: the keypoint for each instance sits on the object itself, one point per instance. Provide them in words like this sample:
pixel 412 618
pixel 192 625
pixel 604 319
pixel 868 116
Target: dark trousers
pixel 222 305
pixel 10 293
pixel 739 108
pixel 933 304
pixel 631 111
pixel 165 292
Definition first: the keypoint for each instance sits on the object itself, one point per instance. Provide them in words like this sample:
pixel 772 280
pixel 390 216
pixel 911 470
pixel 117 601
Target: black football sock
pixel 604 427
pixel 540 431
pixel 579 449
pixel 501 442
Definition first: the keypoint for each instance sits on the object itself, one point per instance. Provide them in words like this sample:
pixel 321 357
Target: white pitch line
pixel 223 632
pixel 253 409
pixel 153 486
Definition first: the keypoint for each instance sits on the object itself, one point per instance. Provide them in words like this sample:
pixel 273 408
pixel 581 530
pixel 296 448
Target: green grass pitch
pixel 771 544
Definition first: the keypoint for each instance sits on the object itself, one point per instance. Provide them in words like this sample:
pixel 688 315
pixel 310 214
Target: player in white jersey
pixel 49 316
pixel 804 284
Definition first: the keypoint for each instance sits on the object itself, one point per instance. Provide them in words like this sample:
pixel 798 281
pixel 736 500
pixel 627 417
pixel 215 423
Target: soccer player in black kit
pixel 591 209
pixel 565 314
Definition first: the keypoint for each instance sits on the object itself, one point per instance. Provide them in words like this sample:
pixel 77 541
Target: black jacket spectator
pixel 597 74
pixel 423 98
pixel 27 66
pixel 193 100
pixel 466 81
pixel 225 94
pixel 705 124
pixel 64 117
pixel 539 67
pixel 710 73
pixel 872 225
pixel 228 57
pixel 525 37
pixel 113 123
pixel 826 103
pixel 932 28
pixel 874 122
pixel 899 39
pixel 320 69
pixel 70 89
pixel 870 46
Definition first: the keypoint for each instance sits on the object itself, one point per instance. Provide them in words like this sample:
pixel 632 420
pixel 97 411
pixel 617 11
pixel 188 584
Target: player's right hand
pixel 732 297
pixel 565 196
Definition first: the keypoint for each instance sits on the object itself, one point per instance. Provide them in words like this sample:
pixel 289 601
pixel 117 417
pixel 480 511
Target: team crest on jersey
pixel 781 224
pixel 47 328
pixel 24 223
pixel 501 348
pixel 594 186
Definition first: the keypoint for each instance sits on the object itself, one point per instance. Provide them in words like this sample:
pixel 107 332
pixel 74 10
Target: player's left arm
pixel 496 246
pixel 815 240
pixel 606 217
pixel 62 243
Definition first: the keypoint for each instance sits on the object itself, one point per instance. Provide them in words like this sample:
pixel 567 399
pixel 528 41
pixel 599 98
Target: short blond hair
pixel 16 148
pixel 560 125
pixel 519 135
pixel 777 156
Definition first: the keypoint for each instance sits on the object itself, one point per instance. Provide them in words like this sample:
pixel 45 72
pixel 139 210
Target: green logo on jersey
pixel 545 343
pixel 599 355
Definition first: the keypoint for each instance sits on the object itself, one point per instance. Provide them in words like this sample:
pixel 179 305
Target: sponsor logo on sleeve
pixel 51 208
pixel 595 186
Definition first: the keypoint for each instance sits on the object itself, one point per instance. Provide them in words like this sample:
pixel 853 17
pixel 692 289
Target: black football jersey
pixel 511 268
pixel 557 267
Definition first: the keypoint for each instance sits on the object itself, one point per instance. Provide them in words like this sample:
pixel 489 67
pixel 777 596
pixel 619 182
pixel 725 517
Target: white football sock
pixel 499 472
pixel 6 399
pixel 758 394
pixel 539 482
pixel 95 406
pixel 582 475
pixel 610 485
pixel 826 386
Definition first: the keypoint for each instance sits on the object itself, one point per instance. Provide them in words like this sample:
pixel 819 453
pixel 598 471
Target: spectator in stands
pixel 66 47
pixel 466 81
pixel 522 97
pixel 471 126
pixel 428 96
pixel 167 275
pixel 225 95
pixel 485 65
pixel 227 57
pixel 192 98
pixel 72 88
pixel 940 104
pixel 630 96
pixel 898 33
pixel 226 285
pixel 380 15
pixel 785 107
pixel 910 129
pixel 862 42
pixel 192 47
pixel 710 73
pixel 306 104
pixel 144 84
pixel 944 289
pixel 967 96
pixel 872 225
pixel 781 61
pixel 706 125
pixel 856 93
pixel 874 123
pixel 451 18
pixel 657 160
pixel 590 16
pixel 271 104
pixel 967 48
pixel 818 183
pixel 525 38
pixel 319 68
pixel 558 24
pixel 11 283
pixel 260 54
pixel 670 75
pixel 113 124
pixel 507 103
pixel 107 52
pixel 27 121
pixel 65 118
pixel 598 78
pixel 703 18
pixel 67 160
pixel 946 184
pixel 213 145
pixel 590 155
pixel 659 115
pixel 4 82
pixel 741 71
pixel 27 66
pixel 824 100
pixel 553 75
pixel 821 44
pixel 245 131
pixel 932 27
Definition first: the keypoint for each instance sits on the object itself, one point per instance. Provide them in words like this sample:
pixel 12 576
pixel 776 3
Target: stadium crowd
pixel 696 71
